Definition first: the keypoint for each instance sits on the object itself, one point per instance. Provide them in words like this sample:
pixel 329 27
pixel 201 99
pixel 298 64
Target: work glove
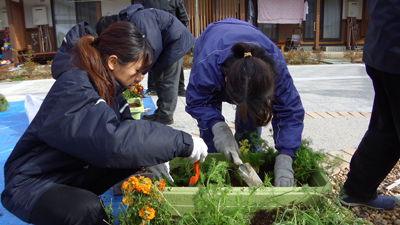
pixel 283 171
pixel 225 143
pixel 161 169
pixel 199 151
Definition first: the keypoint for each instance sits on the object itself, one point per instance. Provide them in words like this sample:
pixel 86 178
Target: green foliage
pixel 211 200
pixel 306 161
pixel 3 103
pixel 326 212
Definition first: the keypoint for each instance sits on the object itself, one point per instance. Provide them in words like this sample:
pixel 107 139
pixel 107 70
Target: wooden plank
pixel 317 23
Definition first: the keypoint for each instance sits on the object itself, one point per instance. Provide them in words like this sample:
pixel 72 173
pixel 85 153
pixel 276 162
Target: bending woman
pixel 83 139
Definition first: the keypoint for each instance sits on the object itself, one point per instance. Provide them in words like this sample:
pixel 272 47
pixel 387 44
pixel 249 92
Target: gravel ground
pixel 379 217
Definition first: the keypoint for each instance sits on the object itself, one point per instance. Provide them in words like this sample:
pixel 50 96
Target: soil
pixel 133 105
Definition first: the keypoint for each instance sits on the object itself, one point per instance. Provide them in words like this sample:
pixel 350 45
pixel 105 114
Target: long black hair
pixel 249 75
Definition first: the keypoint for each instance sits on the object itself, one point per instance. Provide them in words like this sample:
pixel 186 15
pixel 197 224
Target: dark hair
pixel 250 82
pixel 122 39
pixel 104 22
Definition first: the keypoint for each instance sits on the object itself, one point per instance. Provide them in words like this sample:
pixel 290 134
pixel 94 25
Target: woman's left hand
pixel 161 169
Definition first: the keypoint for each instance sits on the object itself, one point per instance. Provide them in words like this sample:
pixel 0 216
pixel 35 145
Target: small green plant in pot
pixel 3 103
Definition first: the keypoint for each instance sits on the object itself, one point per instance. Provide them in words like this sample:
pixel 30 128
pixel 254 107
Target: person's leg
pixel 63 204
pixel 151 88
pixel 246 130
pixel 379 149
pixel 167 93
pixel 181 88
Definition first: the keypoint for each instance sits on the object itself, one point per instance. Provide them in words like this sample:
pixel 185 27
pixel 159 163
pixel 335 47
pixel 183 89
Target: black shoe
pixel 182 93
pixel 164 121
pixel 150 117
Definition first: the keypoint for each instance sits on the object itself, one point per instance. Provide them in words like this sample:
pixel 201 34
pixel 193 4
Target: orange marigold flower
pixel 126 200
pixel 161 184
pixel 147 213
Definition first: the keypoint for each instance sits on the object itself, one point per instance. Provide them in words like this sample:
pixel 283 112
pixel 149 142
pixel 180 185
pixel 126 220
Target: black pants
pixel 68 204
pixel 379 149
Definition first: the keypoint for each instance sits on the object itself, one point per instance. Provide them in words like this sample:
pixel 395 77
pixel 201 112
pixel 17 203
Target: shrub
pixel 353 55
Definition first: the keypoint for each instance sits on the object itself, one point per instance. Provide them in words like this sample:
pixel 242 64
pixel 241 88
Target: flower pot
pixel 264 198
pixel 136 107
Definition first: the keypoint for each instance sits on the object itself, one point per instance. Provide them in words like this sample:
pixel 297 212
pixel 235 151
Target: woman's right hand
pixel 199 151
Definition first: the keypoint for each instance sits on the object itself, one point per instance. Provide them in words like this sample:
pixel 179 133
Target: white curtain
pixel 332 19
pixel 64 18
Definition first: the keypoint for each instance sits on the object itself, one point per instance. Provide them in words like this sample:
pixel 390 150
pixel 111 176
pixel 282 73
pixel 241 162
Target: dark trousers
pixel 151 85
pixel 167 82
pixel 379 149
pixel 68 204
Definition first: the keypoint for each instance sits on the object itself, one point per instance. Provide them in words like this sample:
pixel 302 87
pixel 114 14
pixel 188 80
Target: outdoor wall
pixel 113 7
pixel 28 11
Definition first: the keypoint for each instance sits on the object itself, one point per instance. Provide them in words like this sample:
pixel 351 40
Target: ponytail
pixel 250 82
pixel 122 39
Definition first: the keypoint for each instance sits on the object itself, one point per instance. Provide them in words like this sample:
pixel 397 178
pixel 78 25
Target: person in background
pixel 234 62
pixel 83 139
pixel 379 150
pixel 176 8
pixel 170 41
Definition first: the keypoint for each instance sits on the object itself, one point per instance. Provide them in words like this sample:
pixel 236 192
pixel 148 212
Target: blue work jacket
pixel 205 93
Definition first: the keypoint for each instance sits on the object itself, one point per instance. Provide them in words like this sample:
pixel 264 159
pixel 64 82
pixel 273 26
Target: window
pixel 331 19
pixel 270 30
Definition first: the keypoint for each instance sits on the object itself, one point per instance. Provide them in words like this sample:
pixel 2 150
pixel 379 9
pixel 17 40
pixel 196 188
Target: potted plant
pixel 133 96
pixel 3 103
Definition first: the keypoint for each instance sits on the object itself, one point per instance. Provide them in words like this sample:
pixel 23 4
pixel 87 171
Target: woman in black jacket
pixel 83 140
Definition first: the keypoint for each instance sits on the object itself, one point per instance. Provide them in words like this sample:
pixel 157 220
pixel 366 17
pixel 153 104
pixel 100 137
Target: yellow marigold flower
pixel 147 213
pixel 161 184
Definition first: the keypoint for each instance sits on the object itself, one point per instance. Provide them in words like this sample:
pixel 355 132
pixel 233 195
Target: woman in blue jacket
pixel 235 62
pixel 83 139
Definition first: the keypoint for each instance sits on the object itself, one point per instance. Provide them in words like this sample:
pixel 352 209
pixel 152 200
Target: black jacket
pixel 175 7
pixel 168 37
pixel 382 41
pixel 75 129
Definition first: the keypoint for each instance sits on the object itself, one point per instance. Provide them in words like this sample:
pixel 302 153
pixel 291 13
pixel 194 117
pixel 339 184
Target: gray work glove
pixel 283 171
pixel 199 151
pixel 225 143
pixel 161 169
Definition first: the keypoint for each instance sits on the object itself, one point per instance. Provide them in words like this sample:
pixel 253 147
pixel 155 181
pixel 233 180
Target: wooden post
pixel 317 23
pixel 17 27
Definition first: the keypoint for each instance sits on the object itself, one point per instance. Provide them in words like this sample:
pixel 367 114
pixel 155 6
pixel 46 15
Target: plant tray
pixel 264 198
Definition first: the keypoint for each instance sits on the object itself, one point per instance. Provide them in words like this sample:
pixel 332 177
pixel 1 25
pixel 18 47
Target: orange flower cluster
pixel 142 190
pixel 133 91
pixel 147 213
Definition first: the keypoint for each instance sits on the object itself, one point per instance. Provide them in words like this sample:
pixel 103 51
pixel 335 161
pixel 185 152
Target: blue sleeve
pixel 288 115
pixel 203 92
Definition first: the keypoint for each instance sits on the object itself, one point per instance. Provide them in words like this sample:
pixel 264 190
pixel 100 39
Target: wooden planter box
pixel 264 198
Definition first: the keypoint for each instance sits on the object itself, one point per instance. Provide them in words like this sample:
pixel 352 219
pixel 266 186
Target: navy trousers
pixel 73 204
pixel 379 149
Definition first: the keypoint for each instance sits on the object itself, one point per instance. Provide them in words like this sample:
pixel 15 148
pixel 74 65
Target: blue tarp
pixel 13 124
